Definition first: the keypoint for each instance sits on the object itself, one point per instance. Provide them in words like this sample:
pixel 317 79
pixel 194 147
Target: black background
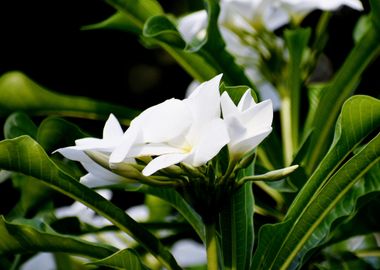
pixel 44 40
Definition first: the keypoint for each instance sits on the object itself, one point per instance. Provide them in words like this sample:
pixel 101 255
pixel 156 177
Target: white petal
pixel 212 139
pixel 246 101
pixel 95 144
pixel 163 161
pixel 91 181
pixel 164 121
pixel 204 102
pixel 139 213
pixel 250 143
pixel 258 116
pixel 153 149
pixel 42 260
pixel 73 153
pixel 112 130
pixel 130 137
pixel 228 106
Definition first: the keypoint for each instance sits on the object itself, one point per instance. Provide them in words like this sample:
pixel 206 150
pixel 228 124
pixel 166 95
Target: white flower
pixel 97 175
pixel 189 131
pixel 248 123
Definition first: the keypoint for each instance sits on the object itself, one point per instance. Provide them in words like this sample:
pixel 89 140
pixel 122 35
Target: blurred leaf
pixel 362 26
pixel 236 227
pixel 19 93
pixel 24 236
pixel 137 11
pixel 283 245
pixel 123 259
pixel 339 89
pixel 18 124
pixel 29 158
pixel 33 194
pixel 162 28
pixel 55 132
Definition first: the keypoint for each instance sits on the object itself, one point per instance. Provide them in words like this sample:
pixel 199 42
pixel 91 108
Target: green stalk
pixel 211 247
pixel 286 129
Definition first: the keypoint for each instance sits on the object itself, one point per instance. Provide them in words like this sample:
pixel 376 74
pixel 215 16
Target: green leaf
pixel 296 41
pixel 236 227
pixel 337 92
pixel 119 21
pixel 24 236
pixel 123 259
pixel 33 194
pixel 163 29
pixel 325 189
pixel 19 93
pixel 137 11
pixel 236 92
pixel 55 132
pixel 18 124
pixel 24 155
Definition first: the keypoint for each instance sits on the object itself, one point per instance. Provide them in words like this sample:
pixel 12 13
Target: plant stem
pixel 286 129
pixel 211 247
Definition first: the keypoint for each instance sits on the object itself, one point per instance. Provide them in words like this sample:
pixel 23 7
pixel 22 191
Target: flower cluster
pixel 188 132
pixel 247 27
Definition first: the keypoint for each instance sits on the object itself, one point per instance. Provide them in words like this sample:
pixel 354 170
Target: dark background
pixel 44 40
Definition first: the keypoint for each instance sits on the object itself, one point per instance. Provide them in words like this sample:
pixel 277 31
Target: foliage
pixel 299 200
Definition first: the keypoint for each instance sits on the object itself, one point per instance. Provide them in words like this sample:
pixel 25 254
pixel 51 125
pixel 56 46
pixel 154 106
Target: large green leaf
pixel 344 83
pixel 19 93
pixel 236 225
pixel 24 155
pixel 123 259
pixel 325 189
pixel 24 236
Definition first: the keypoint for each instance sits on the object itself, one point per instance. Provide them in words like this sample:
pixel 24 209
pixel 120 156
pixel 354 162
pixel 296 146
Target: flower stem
pixel 211 247
pixel 286 129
